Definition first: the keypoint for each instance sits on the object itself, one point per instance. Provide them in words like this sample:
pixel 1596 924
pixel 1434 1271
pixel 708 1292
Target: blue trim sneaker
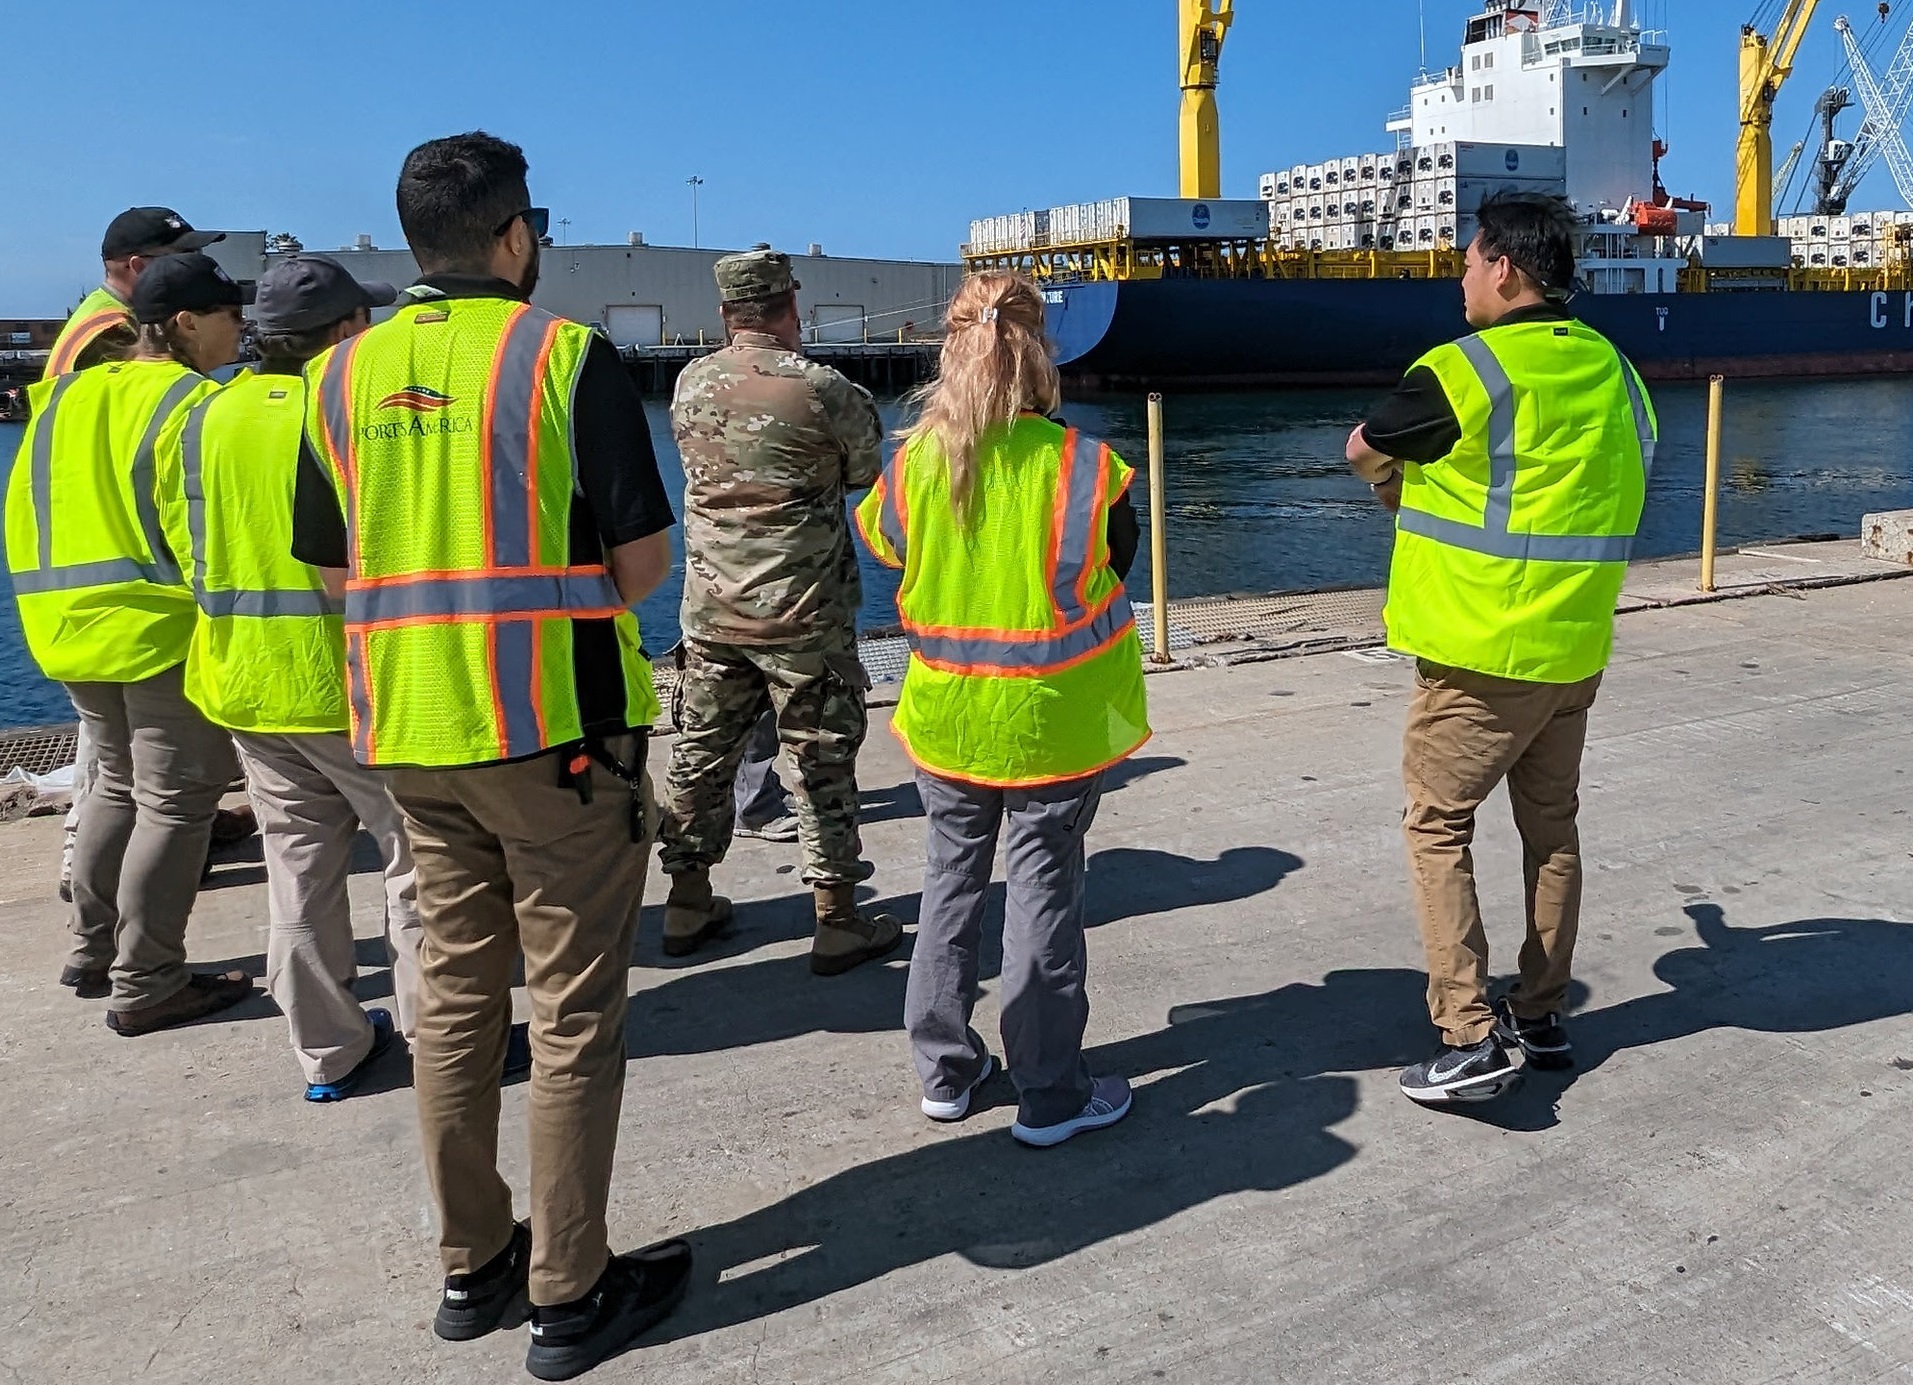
pixel 1543 1042
pixel 1478 1072
pixel 476 1304
pixel 1109 1102
pixel 635 1293
pixel 958 1109
pixel 382 1034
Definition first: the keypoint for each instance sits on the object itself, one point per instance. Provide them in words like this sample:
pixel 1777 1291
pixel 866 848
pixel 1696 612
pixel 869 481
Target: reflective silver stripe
pixel 1079 505
pixel 146 477
pixel 1643 419
pixel 359 691
pixel 890 515
pixel 193 469
pixel 42 477
pixel 514 643
pixel 267 602
pixel 335 404
pixel 76 576
pixel 1543 548
pixel 516 384
pixel 480 597
pixel 1501 418
pixel 1022 658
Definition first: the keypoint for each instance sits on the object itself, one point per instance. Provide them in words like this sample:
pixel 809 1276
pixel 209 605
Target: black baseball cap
pixel 153 231
pixel 305 292
pixel 189 283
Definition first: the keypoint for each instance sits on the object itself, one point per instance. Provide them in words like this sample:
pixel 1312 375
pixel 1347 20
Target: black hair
pixel 1536 231
pixel 453 195
pixel 755 314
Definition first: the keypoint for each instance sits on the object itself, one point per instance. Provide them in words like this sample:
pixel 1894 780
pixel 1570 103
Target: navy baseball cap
pixel 153 231
pixel 189 283
pixel 303 293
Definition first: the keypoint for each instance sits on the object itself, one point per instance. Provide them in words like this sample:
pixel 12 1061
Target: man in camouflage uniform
pixel 772 446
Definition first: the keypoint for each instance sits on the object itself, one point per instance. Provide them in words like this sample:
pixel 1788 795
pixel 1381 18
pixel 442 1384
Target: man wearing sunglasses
pixel 479 484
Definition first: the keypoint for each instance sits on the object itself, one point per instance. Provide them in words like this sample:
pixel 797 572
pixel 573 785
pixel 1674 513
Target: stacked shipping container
pixel 1409 199
pixel 1859 240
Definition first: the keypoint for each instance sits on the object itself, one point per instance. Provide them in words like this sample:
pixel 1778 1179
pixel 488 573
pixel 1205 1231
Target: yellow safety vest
pixel 100 311
pixel 447 430
pixel 102 598
pixel 1025 668
pixel 1510 552
pixel 268 648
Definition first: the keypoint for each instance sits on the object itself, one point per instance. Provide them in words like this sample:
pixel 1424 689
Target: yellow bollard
pixel 1710 504
pixel 1158 535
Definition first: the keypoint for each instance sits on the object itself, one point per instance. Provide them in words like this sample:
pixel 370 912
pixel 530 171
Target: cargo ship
pixel 1343 272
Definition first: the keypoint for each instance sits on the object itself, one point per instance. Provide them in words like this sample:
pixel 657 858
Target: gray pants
pixel 759 794
pixel 1045 1007
pixel 311 797
pixel 144 827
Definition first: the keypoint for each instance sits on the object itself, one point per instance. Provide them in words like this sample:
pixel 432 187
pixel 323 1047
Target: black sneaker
pixel 477 1303
pixel 1475 1073
pixel 1544 1041
pixel 635 1293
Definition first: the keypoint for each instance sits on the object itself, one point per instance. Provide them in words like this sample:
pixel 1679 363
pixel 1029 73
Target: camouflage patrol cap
pixel 759 272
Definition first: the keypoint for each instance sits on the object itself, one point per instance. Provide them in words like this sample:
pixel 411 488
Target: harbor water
pixel 1259 499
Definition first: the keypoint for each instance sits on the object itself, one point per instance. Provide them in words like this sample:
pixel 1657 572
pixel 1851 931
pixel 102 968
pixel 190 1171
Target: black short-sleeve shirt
pixel 623 498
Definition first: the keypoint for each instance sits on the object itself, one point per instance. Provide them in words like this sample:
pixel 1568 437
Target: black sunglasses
pixel 537 221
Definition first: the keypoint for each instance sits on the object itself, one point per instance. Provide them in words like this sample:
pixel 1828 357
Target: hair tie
pixel 987 315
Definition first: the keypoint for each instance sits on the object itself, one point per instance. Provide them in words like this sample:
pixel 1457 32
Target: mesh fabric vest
pixel 1510 552
pixel 1025 668
pixel 100 311
pixel 102 598
pixel 447 430
pixel 268 648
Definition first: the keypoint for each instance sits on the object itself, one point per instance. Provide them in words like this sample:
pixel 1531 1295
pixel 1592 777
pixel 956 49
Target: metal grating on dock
pixel 38 749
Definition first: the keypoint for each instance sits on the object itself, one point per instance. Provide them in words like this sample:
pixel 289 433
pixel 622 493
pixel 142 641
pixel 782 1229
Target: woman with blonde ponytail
pixel 1014 533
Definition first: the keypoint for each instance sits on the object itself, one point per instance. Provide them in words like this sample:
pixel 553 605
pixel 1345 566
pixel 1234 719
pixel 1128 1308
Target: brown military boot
pixel 692 914
pixel 846 938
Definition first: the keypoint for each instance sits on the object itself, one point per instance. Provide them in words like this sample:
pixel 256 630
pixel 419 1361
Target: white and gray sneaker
pixel 1109 1102
pixel 779 829
pixel 956 1110
pixel 1478 1072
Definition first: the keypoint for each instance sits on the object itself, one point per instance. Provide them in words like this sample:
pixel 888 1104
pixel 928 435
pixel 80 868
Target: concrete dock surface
pixel 1719 1192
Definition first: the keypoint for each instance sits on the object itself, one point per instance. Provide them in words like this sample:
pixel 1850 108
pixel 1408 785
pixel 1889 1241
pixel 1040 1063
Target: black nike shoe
pixel 477 1303
pixel 1543 1041
pixel 1476 1073
pixel 635 1293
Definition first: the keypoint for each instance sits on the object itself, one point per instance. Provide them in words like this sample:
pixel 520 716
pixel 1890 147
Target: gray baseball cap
pixel 303 293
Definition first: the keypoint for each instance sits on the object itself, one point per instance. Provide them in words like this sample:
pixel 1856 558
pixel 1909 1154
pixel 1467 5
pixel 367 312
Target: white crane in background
pixel 1887 101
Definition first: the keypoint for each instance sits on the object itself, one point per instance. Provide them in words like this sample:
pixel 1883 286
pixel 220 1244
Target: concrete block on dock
pixel 1888 537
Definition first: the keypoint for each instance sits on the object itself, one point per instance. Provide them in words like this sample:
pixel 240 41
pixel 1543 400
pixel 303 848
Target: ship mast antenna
pixel 1204 28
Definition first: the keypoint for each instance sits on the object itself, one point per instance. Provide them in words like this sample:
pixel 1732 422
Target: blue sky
pixel 872 128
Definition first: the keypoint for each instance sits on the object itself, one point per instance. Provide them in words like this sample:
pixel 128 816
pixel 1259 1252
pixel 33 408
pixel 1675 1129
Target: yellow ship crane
pixel 1204 27
pixel 1766 61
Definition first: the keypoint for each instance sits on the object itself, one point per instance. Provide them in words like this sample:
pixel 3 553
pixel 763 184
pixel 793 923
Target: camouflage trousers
pixel 816 692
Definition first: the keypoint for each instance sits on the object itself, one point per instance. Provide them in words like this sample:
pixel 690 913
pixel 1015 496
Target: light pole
pixel 694 183
pixel 564 230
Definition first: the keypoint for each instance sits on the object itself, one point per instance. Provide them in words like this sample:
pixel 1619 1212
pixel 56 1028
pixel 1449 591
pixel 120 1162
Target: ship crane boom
pixel 1887 100
pixel 1766 61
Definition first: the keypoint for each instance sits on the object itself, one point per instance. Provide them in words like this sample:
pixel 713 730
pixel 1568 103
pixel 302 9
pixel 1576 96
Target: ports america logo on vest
pixel 429 415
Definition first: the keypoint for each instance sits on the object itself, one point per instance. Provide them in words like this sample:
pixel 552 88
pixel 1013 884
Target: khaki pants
pixel 1466 733
pixel 511 862
pixel 311 798
pixel 143 833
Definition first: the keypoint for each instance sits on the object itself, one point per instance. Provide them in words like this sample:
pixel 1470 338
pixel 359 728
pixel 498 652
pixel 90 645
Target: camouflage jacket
pixel 772 446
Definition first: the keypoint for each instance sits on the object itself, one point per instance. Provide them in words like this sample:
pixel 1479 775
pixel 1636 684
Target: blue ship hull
pixel 1223 333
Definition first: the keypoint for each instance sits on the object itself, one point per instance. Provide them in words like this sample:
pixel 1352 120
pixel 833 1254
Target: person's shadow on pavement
pixel 1251 1094
pixel 1803 977
pixel 704 1009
